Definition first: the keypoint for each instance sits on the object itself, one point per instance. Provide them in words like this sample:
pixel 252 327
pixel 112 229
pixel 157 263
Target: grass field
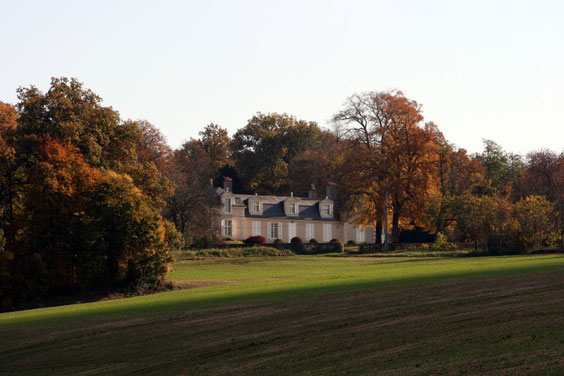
pixel 310 315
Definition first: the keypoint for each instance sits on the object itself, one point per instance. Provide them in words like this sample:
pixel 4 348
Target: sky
pixel 481 69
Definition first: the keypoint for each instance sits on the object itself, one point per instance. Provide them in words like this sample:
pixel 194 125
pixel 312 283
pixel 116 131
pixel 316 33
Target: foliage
pixel 534 214
pixel 390 157
pixel 442 244
pixel 258 251
pixel 278 242
pixel 206 241
pixel 339 246
pixel 263 149
pixel 82 196
pixel 297 245
pixel 256 239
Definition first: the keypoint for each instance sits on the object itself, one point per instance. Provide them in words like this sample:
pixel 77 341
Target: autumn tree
pixel 536 217
pixel 190 206
pixel 544 175
pixel 264 148
pixel 83 194
pixel 487 219
pixel 393 151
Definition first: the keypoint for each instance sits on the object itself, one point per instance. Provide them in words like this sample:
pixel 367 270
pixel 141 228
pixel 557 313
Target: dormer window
pixel 327 209
pixel 256 207
pixel 228 205
pixel 292 208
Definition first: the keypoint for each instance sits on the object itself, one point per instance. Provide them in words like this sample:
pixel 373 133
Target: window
pixel 256 207
pixel 310 231
pixel 327 209
pixel 274 231
pixel 292 208
pixel 227 227
pixel 256 228
pixel 360 235
pixel 227 205
pixel 326 232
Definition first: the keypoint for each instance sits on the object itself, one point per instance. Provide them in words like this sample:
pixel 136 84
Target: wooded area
pixel 92 202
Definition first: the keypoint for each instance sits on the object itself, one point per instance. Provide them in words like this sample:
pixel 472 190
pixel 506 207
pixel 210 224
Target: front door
pixel 291 231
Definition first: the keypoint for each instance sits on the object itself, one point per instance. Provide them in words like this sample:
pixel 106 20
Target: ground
pixel 310 315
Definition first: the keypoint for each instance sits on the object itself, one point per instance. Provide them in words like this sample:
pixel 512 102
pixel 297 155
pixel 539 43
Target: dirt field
pixel 506 325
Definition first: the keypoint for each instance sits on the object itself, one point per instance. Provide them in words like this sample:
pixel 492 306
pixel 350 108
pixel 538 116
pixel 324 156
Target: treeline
pixel 92 202
pixel 393 171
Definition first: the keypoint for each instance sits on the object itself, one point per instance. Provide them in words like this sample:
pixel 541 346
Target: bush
pixel 297 245
pixel 257 239
pixel 296 240
pixel 332 241
pixel 278 243
pixel 313 242
pixel 174 238
pixel 351 242
pixel 442 243
pixel 206 241
pixel 259 251
pixel 339 246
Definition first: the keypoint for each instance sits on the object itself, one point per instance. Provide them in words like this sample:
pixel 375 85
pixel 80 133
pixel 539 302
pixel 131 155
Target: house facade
pixel 284 217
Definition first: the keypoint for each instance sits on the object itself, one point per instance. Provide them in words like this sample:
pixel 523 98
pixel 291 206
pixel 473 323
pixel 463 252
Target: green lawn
pixel 250 315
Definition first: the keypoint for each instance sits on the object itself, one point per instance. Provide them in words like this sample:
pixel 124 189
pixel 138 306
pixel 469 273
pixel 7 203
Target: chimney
pixel 331 191
pixel 228 184
pixel 312 192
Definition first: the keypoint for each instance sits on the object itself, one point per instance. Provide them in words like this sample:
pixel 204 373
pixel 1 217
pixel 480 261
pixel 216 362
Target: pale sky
pixel 481 69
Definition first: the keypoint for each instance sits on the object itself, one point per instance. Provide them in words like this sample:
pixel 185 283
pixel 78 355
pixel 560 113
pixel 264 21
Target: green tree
pixel 503 170
pixel 265 147
pixel 216 142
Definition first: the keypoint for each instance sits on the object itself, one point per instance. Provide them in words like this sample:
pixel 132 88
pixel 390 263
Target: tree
pixel 216 142
pixel 487 219
pixel 503 170
pixel 189 208
pixel 321 163
pixel 81 196
pixel 536 217
pixel 394 155
pixel 457 173
pixel 264 148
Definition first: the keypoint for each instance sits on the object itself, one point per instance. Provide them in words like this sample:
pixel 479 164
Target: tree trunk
pixel 378 238
pixel 395 226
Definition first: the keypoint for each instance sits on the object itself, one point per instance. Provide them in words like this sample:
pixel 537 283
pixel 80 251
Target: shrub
pixel 313 242
pixel 174 238
pixel 297 245
pixel 259 251
pixel 278 243
pixel 257 239
pixel 351 242
pixel 206 241
pixel 442 243
pixel 332 241
pixel 339 246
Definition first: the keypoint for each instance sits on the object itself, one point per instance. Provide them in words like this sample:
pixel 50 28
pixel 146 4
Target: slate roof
pixel 273 207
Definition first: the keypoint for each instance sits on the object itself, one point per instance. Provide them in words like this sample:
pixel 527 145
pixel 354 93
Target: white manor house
pixel 284 217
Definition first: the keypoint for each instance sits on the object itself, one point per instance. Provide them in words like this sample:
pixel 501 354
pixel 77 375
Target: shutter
pixel 280 230
pixel 269 230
